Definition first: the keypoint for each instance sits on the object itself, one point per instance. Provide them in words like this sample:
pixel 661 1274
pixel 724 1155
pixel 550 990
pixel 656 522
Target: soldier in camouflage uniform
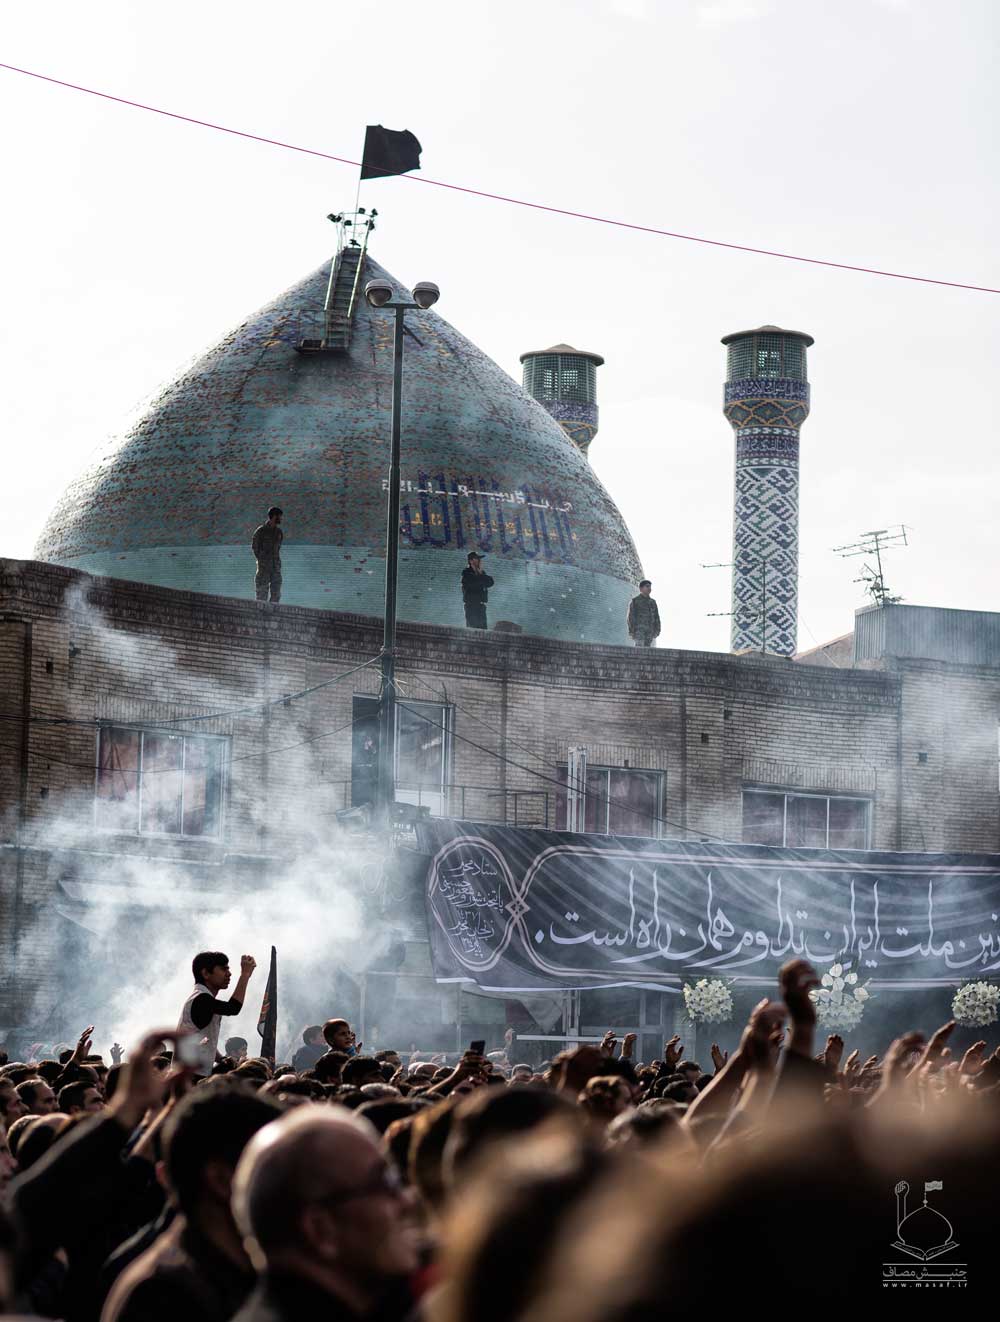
pixel 266 545
pixel 643 617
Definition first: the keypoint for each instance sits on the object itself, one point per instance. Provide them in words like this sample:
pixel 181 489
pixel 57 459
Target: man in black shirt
pixel 197 1270
pixel 326 1220
pixel 475 591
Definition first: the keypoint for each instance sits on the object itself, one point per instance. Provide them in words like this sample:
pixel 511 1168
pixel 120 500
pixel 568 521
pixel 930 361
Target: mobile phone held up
pixel 479 1046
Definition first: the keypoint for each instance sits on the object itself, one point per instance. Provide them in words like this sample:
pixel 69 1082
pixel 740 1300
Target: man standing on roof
pixel 202 1012
pixel 266 546
pixel 643 617
pixel 475 591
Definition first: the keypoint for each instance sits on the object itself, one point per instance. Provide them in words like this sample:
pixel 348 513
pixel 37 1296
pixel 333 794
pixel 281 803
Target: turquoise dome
pixel 254 423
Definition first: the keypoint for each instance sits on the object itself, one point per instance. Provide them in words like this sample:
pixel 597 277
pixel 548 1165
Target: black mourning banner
pixel 523 910
pixel 389 151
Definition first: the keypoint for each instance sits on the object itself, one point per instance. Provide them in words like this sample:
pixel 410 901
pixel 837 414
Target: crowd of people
pixel 600 1187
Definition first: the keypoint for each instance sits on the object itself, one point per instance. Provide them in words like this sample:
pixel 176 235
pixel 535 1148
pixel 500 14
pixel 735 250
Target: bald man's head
pixel 313 1193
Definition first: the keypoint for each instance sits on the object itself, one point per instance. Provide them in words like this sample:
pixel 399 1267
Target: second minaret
pixel 766 401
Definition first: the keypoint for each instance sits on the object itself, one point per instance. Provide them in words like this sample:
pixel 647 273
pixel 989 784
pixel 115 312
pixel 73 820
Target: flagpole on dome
pixel 388 152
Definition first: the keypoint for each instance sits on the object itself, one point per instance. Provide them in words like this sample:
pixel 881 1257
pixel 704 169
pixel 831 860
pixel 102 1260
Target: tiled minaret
pixel 563 380
pixel 766 401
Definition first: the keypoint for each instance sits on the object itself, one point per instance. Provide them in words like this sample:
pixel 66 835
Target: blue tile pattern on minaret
pixel 766 412
pixel 254 423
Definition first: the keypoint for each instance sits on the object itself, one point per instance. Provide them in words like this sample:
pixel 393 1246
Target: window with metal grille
pixel 619 801
pixel 159 783
pixel 764 356
pixel 805 821
pixel 560 378
pixel 768 356
pixel 740 358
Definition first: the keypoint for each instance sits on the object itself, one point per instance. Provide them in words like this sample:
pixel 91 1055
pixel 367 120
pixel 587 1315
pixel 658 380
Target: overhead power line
pixel 95 722
pixel 501 197
pixel 51 760
pixel 552 780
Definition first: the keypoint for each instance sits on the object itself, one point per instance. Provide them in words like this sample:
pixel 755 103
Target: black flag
pixel 389 151
pixel 267 1024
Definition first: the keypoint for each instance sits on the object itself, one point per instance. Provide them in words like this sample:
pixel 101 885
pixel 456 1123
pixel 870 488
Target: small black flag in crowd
pixel 267 1024
pixel 389 151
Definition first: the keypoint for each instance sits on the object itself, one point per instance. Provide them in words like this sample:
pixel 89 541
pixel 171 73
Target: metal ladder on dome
pixel 332 332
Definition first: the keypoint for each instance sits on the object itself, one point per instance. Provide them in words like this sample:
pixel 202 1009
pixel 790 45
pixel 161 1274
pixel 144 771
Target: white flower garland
pixel 840 1002
pixel 708 1001
pixel 975 1004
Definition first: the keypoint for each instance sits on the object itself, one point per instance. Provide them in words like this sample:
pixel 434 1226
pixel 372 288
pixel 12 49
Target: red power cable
pixel 500 197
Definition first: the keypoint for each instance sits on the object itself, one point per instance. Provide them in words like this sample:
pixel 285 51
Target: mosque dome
pixel 255 422
pixel 925 1232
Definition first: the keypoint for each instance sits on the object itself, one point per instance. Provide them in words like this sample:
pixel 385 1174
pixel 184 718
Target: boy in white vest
pixel 202 1012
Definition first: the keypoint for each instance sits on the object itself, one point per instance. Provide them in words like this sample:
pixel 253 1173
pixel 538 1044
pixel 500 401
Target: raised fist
pixel 247 964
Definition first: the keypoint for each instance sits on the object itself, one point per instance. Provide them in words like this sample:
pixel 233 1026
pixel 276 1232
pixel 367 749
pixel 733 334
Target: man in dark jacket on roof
pixel 266 546
pixel 643 617
pixel 475 591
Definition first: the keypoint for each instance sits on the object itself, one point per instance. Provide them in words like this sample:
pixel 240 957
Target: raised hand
pixel 719 1058
pixel 117 1052
pixel 762 1033
pixel 797 978
pixel 896 1065
pixel 84 1043
pixel 608 1041
pixel 470 1066
pixel 834 1051
pixel 143 1085
pixel 972 1061
pixel 936 1052
pixel 628 1042
pixel 672 1051
pixel 572 1069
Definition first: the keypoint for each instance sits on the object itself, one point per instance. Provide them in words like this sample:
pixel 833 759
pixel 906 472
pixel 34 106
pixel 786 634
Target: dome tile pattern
pixel 252 423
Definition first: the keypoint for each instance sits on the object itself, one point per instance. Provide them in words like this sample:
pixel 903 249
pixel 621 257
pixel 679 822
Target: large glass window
pixel 422 747
pixel 423 750
pixel 805 821
pixel 158 783
pixel 619 801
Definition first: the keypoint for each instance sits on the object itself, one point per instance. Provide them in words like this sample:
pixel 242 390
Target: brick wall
pixel 102 650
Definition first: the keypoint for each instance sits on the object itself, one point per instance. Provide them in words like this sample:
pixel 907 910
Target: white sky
pixel 863 131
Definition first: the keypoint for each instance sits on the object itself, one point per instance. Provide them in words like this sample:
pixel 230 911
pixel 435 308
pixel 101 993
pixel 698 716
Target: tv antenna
pixel 745 614
pixel 872 544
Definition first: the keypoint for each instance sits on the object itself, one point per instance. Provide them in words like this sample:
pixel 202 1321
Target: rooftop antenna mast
pixel 746 614
pixel 872 544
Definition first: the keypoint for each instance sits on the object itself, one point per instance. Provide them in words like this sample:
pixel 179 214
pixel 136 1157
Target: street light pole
pixel 387 688
pixel 379 295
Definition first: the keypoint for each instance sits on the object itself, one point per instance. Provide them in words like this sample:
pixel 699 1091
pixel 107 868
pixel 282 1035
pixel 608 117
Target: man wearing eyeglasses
pixel 327 1223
